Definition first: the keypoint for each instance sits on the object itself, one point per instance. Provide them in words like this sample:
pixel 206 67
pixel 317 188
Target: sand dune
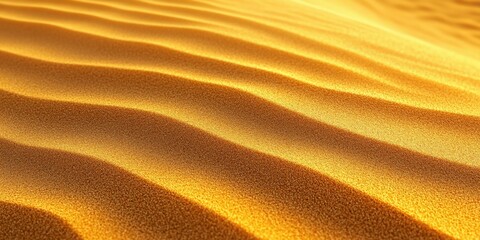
pixel 125 200
pixel 18 222
pixel 142 119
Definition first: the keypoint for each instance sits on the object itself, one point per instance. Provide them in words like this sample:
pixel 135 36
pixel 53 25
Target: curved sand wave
pixel 19 222
pixel 128 204
pixel 320 118
pixel 259 179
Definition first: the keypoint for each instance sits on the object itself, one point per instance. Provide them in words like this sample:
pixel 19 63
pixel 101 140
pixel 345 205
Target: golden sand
pixel 223 119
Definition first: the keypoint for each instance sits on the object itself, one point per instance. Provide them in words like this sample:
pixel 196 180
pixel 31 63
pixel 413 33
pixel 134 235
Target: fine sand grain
pixel 226 119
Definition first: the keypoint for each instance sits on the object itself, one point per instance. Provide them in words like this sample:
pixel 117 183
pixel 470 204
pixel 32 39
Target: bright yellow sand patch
pixel 223 119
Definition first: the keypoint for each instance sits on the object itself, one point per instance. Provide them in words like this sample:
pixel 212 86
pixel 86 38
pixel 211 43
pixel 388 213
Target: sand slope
pixel 276 119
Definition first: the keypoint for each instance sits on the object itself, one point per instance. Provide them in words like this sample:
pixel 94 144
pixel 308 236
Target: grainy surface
pixel 222 119
pixel 18 222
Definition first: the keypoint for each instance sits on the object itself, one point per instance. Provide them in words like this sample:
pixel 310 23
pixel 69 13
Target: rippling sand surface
pixel 239 119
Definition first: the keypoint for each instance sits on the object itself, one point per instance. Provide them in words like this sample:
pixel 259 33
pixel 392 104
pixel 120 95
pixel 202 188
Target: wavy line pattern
pixel 19 222
pixel 142 119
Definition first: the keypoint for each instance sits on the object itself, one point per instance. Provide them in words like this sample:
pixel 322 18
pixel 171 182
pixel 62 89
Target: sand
pixel 222 119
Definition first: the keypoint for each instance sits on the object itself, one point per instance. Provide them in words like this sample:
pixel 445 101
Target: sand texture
pixel 239 119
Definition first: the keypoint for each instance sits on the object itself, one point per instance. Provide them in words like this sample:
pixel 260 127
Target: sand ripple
pixel 277 119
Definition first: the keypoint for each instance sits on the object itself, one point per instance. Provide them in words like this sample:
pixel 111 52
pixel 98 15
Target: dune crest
pixel 19 222
pixel 275 119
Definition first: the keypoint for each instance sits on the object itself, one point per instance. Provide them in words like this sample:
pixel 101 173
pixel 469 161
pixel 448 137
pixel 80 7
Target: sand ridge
pixel 144 119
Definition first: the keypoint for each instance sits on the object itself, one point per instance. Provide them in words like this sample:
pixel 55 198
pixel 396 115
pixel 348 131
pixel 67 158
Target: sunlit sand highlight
pixel 221 119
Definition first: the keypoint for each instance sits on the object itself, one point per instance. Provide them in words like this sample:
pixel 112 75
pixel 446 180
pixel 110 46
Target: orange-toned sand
pixel 239 119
